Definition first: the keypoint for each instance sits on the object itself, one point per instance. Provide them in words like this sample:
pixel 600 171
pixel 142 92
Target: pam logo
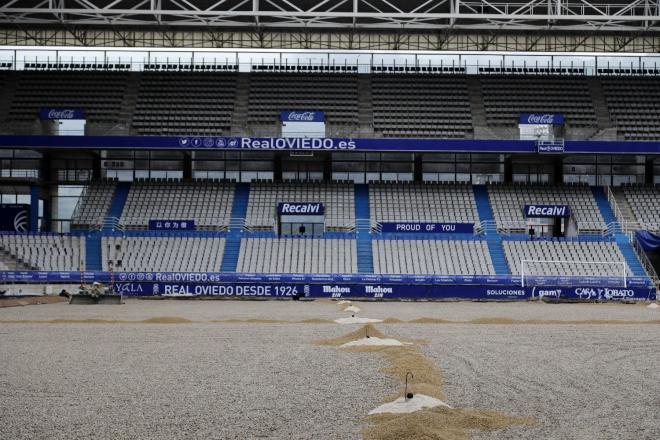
pixel 553 293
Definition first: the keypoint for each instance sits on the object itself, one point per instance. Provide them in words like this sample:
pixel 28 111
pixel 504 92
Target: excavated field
pixel 175 369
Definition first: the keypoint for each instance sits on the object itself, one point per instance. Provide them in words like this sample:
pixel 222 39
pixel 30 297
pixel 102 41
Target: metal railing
pixel 111 223
pixel 646 263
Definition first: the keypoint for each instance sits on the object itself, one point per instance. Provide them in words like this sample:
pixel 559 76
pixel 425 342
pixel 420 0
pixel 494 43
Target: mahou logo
pixel 61 114
pixel 541 119
pixel 301 116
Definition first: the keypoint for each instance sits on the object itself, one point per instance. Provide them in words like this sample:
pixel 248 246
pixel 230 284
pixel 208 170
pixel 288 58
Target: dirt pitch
pixel 249 370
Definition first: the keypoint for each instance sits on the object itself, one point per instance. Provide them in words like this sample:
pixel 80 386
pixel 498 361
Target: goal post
pixel 529 269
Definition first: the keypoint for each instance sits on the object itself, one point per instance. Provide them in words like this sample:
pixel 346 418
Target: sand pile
pixel 352 309
pixel 439 423
pixel 374 341
pixel 343 301
pixel 405 406
pixel 652 306
pixel 429 417
pixel 356 320
pixel 30 300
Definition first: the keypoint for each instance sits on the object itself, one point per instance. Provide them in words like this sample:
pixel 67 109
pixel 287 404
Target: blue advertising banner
pixel 300 208
pixel 546 211
pixel 62 113
pixel 381 291
pixel 302 116
pixel 542 118
pixel 14 217
pixel 197 289
pixel 326 144
pixel 172 225
pixel 350 286
pixel 221 277
pixel 428 228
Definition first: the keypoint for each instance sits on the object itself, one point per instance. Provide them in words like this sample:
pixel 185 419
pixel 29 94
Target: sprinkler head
pixel 409 396
pixel 352 316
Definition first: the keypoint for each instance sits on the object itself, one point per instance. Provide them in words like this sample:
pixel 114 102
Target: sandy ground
pixel 239 380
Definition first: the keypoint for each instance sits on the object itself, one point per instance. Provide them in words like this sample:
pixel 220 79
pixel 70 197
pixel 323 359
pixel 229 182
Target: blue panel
pixel 648 240
pixel 299 208
pixel 391 291
pixel 541 118
pixel 34 208
pixel 312 144
pixel 15 217
pixel 62 113
pixel 119 199
pixel 546 211
pixel 629 254
pixel 233 241
pixel 428 228
pixel 365 253
pixel 172 225
pixel 604 206
pixel 93 252
pixel 302 116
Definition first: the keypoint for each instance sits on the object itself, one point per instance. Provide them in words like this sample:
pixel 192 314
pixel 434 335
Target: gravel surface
pixel 200 381
pixel 260 380
pixel 579 382
pixel 136 310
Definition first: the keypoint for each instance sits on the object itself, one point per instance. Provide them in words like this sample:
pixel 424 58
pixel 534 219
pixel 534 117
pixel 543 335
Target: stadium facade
pixel 333 173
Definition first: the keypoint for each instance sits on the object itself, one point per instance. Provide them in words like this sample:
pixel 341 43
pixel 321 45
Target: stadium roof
pixel 560 15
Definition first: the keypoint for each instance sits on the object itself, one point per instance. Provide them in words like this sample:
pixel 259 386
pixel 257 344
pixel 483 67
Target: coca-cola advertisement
pixel 302 116
pixel 542 118
pixel 62 113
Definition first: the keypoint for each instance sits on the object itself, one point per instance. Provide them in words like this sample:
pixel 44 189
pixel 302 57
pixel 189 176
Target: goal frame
pixel 624 271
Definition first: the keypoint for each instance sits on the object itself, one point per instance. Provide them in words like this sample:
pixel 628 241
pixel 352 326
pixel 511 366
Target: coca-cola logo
pixel 61 114
pixel 541 119
pixel 301 116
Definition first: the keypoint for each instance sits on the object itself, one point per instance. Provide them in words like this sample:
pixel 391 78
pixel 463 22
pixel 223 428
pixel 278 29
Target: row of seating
pixel 210 203
pixel 46 252
pixel 443 257
pixel 291 255
pixel 414 104
pixel 76 66
pixel 565 258
pixel 169 254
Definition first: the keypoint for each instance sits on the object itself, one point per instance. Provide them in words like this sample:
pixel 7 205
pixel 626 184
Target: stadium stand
pixel 645 204
pixel 101 94
pixel 93 204
pixel 421 106
pixel 208 203
pixel 172 103
pixel 297 255
pixel 570 252
pixel 337 197
pixel 506 96
pixel 508 202
pixel 444 257
pixel 334 94
pixel 173 254
pixel 45 252
pixel 422 202
pixel 634 106
pixel 203 100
